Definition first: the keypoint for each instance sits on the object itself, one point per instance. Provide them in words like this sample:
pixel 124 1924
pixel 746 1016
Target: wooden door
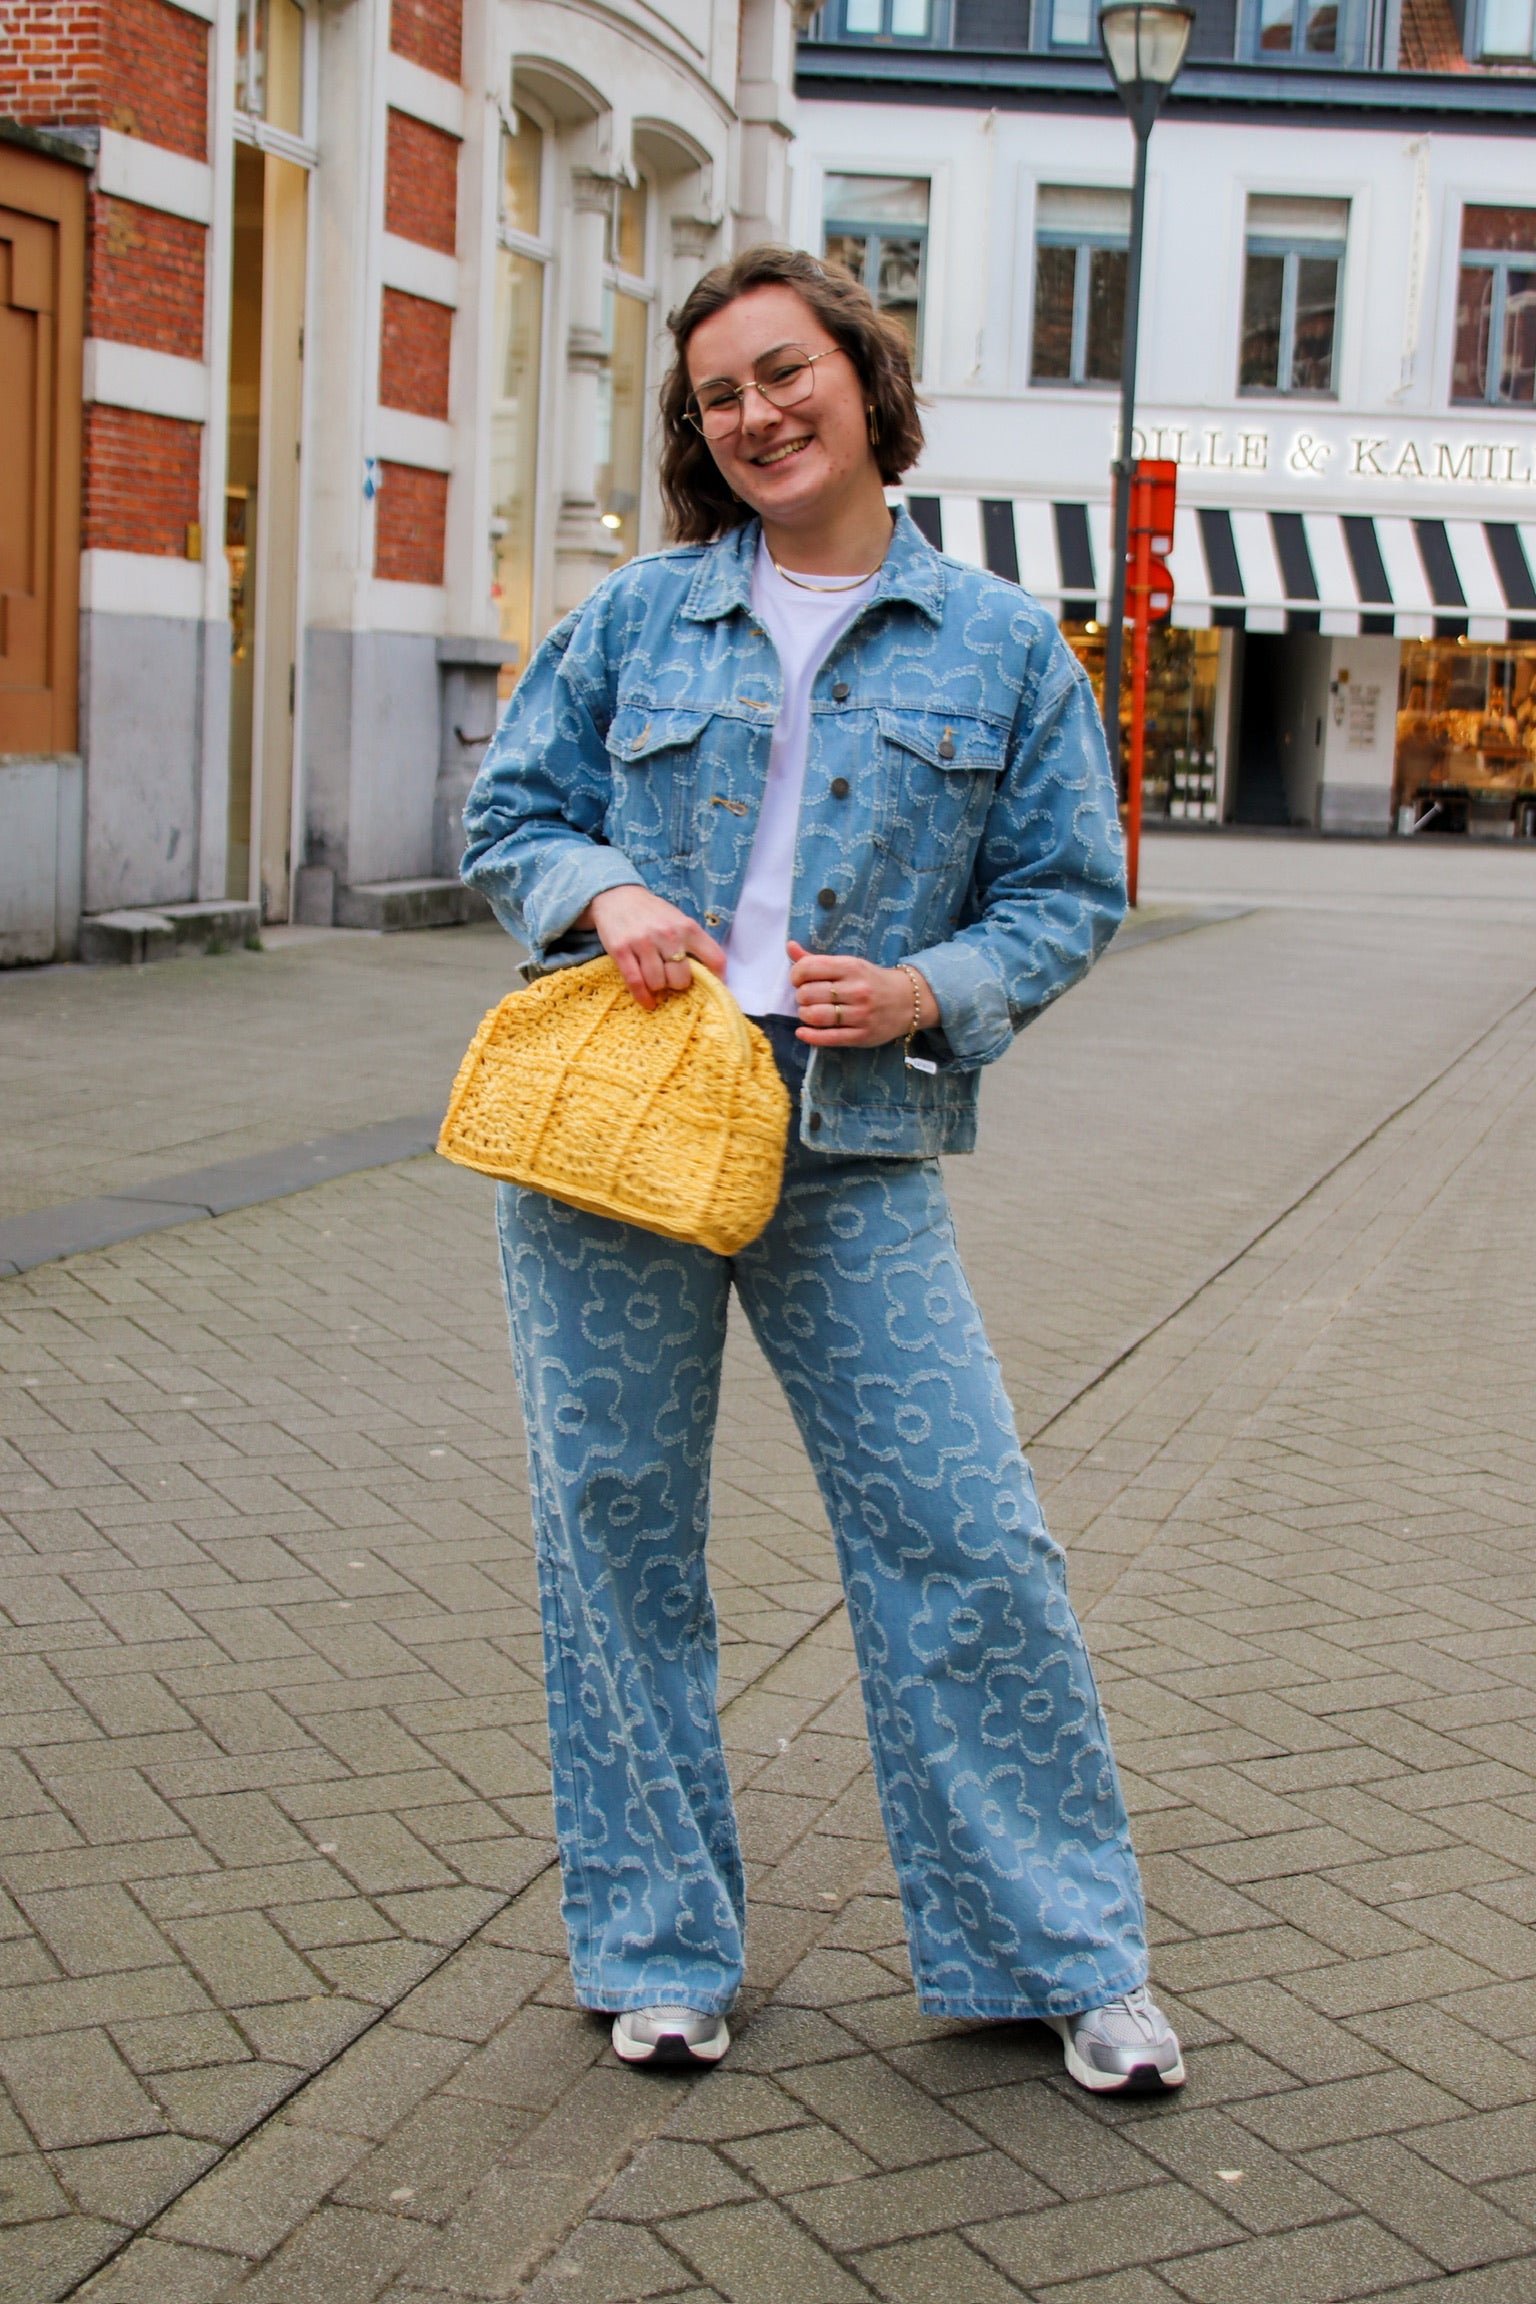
pixel 42 233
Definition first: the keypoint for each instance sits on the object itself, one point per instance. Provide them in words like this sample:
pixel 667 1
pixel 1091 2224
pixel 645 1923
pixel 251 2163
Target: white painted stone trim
pixel 129 168
pixel 424 95
pixel 141 584
pixel 419 271
pixel 207 9
pixel 406 439
pixel 407 607
pixel 158 383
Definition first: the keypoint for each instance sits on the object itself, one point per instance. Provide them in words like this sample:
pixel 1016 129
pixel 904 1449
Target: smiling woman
pixel 868 786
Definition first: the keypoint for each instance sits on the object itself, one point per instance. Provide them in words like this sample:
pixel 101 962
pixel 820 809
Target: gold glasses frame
pixel 791 393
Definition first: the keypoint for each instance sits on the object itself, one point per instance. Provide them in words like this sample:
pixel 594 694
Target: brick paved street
pixel 282 2008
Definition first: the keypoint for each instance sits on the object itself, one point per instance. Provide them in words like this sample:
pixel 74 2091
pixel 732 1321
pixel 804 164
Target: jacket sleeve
pixel 1048 890
pixel 534 817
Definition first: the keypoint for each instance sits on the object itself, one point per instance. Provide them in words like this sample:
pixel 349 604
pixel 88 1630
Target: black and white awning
pixel 1342 573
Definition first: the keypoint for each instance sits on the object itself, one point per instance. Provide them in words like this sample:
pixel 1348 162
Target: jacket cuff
pixel 973 1006
pixel 568 887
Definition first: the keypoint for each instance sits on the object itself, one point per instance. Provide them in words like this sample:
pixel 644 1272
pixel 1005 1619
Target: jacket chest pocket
pixel 656 759
pixel 938 778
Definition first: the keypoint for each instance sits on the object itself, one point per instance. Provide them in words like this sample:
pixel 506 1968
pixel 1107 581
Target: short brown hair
pixel 700 507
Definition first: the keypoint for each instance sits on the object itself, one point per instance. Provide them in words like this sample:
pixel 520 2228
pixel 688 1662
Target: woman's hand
pixel 650 940
pixel 848 1003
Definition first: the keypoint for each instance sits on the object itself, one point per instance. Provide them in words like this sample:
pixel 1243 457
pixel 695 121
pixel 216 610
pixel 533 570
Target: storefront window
pixel 621 418
pixel 878 227
pixel 521 266
pixel 1179 775
pixel 1495 356
pixel 515 443
pixel 1081 241
pixel 1466 738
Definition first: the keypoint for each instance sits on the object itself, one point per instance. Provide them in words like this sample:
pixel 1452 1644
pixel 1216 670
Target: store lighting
pixel 1092 629
pixel 612 520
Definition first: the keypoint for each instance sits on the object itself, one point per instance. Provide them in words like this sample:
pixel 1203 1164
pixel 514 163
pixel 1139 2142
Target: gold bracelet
pixel 915 1063
pixel 916 982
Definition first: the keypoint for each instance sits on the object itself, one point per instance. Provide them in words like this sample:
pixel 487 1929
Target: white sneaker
pixel 669 2036
pixel 1127 2047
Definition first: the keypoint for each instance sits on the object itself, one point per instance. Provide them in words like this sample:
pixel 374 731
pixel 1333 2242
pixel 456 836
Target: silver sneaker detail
pixel 669 2036
pixel 1126 2047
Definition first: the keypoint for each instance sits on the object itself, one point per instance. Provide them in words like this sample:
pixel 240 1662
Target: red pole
pixel 1138 588
pixel 1148 597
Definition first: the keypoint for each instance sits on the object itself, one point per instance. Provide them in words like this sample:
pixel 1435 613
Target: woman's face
pixel 791 465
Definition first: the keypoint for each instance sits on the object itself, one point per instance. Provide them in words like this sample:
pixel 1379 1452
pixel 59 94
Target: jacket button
pixel 814 1123
pixel 946 746
pixel 839 787
pixel 711 919
pixel 826 898
pixel 841 691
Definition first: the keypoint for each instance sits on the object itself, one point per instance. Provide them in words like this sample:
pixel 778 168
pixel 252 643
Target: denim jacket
pixel 958 808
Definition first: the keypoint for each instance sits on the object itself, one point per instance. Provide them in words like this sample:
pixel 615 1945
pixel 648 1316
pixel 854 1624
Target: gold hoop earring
pixel 874 425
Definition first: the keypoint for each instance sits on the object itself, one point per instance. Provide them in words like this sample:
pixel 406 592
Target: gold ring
pixel 671 956
pixel 837 1009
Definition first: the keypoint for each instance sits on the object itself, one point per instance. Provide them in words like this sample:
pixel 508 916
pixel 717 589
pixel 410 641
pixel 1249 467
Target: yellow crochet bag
pixel 673 1119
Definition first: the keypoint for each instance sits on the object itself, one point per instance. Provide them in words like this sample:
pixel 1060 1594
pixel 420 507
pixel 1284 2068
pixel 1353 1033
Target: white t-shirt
pixel 803 627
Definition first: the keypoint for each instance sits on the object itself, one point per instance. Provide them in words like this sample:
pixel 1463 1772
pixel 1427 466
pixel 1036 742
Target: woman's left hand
pixel 848 1003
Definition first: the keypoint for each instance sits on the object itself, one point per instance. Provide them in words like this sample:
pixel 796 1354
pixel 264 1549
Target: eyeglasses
pixel 783 378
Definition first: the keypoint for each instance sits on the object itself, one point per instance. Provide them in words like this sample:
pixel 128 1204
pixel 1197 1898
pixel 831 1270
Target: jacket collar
pixel 911 571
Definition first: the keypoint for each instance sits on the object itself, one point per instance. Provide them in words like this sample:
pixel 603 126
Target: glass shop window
pixel 1495 355
pixel 1295 263
pixel 878 227
pixel 1082 236
pixel 522 269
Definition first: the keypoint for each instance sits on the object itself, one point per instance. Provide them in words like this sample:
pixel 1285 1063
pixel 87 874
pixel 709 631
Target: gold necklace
pixel 839 584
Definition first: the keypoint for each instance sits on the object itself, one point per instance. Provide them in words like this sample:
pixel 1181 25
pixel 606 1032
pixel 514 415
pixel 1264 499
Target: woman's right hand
pixel 650 940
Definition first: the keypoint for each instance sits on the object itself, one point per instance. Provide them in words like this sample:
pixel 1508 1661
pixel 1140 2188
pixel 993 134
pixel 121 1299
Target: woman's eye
pixel 712 400
pixel 784 371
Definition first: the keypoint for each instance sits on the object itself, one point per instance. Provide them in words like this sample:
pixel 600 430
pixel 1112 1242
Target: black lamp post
pixel 1143 43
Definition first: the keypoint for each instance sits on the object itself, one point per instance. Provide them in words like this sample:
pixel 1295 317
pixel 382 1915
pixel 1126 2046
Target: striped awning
pixel 1332 572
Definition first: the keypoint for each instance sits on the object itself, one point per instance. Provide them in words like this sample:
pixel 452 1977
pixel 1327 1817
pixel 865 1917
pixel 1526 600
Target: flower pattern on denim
pixel 958 809
pixel 992 1757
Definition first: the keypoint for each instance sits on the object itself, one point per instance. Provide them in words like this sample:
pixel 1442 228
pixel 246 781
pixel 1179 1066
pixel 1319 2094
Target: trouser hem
pixel 620 2003
pixel 1014 2011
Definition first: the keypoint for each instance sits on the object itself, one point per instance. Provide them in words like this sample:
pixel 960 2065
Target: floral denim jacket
pixel 958 809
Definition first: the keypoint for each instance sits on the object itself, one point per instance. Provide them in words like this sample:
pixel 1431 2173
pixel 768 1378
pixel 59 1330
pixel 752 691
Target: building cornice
pixel 1470 102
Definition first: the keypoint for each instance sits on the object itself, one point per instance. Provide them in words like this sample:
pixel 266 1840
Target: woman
pixel 868 785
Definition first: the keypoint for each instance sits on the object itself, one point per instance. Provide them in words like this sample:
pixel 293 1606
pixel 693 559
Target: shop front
pixel 1466 739
pixel 1341 672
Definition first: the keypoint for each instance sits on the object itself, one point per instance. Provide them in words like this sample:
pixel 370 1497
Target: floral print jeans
pixel 996 1781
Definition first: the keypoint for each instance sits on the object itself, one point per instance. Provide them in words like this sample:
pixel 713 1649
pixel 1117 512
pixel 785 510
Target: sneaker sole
pixel 672 2048
pixel 1141 2080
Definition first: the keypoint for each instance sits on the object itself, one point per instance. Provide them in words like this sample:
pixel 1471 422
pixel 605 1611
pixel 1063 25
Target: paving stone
pixel 76 2089
pixel 1444 2219
pixel 435 2156
pixel 153 2272
pixel 1328 2264
pixel 1126 2230
pixel 670 2179
pixel 755 2255
pixel 261 2192
pixel 341 2254
pixel 1071 2151
pixel 938 2271
pixel 871 2210
pixel 895 2123
pixel 609 2266
pixel 41 2262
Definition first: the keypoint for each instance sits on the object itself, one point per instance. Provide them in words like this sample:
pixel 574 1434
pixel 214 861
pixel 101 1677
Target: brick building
pixel 334 321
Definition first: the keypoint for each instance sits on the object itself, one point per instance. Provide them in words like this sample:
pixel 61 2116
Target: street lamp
pixel 1143 43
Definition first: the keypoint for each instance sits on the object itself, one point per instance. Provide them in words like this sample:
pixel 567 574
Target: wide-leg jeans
pixel 992 1758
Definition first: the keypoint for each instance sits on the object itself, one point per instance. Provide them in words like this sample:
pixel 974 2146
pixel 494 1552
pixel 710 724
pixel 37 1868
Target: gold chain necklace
pixel 839 584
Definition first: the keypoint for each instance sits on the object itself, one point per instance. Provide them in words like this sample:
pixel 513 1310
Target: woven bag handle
pixel 725 1001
